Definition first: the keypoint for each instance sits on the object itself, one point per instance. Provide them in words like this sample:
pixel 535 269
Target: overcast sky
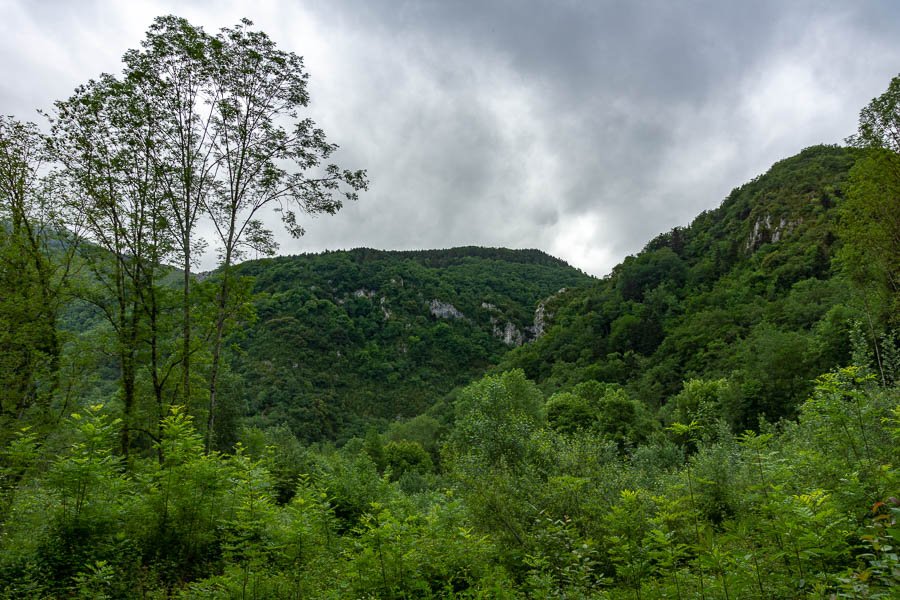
pixel 580 128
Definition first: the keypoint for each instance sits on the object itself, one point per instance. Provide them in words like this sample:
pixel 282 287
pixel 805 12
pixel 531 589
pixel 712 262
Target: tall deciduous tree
pixel 199 125
pixel 101 135
pixel 258 91
pixel 35 260
pixel 170 76
pixel 870 217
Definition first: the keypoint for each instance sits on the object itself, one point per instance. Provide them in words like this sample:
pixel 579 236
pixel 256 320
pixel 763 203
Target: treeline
pixel 449 256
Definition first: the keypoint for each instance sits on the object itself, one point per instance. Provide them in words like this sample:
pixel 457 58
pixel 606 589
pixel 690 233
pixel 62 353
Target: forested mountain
pixel 718 418
pixel 345 339
pixel 749 294
pixel 746 296
pixel 739 311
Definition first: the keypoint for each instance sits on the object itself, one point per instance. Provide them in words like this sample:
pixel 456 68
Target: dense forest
pixel 748 294
pixel 346 340
pixel 718 418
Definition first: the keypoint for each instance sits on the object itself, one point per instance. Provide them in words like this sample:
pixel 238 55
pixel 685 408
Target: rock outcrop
pixel 509 333
pixel 542 316
pixel 445 310
pixel 766 230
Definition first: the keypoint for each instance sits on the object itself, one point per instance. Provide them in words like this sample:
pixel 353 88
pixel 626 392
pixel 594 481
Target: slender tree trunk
pixel 217 347
pixel 50 342
pixel 33 276
pixel 127 360
pixel 153 316
pixel 874 339
pixel 186 308
pixel 128 338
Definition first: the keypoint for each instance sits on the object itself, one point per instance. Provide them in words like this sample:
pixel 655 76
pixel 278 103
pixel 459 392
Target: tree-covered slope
pixel 748 292
pixel 345 338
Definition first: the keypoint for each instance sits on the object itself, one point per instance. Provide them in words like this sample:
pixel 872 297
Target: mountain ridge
pixel 345 339
pixel 710 300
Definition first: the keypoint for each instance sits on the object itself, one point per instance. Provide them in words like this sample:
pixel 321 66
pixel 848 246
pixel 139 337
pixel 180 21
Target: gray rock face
pixel 765 229
pixel 510 334
pixel 540 321
pixel 541 316
pixel 503 329
pixel 506 330
pixel 445 310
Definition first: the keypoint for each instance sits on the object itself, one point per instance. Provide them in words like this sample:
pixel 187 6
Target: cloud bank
pixel 580 128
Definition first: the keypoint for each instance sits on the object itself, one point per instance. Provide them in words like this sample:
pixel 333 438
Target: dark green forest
pixel 717 418
pixel 347 340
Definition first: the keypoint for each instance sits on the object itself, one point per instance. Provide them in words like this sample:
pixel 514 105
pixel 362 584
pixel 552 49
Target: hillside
pixel 716 419
pixel 598 459
pixel 343 339
pixel 748 292
pixel 746 295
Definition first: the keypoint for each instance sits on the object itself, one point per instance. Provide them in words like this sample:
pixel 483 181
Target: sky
pixel 583 129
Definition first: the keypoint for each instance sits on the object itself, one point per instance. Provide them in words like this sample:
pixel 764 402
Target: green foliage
pixel 407 457
pixel 605 408
pixel 424 430
pixel 871 227
pixel 87 481
pixel 495 418
pixel 346 340
pixel 781 514
pixel 623 419
pixel 562 563
pixel 285 458
pixel 352 483
pixel 707 402
pixel 36 253
pixel 878 572
pixel 746 293
pixel 17 459
pixel 174 517
pixel 568 412
pixel 374 447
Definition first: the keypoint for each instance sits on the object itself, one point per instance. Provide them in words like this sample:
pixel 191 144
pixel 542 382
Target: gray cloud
pixel 582 128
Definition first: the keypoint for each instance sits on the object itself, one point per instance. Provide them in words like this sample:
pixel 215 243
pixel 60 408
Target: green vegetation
pixel 515 510
pixel 718 418
pixel 344 339
pixel 749 293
